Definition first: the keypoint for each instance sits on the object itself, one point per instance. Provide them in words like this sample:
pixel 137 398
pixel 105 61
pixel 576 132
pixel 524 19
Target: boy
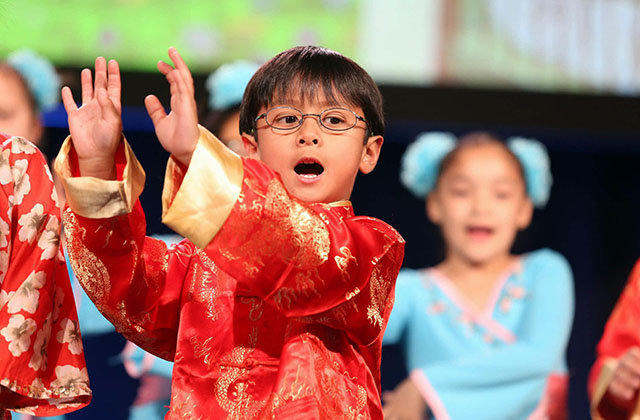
pixel 275 305
pixel 614 381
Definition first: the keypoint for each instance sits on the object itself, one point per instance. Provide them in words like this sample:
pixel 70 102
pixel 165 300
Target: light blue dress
pixel 506 362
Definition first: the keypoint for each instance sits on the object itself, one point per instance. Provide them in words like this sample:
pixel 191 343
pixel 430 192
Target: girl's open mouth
pixel 479 232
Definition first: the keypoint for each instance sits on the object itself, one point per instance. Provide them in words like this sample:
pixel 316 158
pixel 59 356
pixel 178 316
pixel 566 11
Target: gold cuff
pixel 96 198
pixel 207 194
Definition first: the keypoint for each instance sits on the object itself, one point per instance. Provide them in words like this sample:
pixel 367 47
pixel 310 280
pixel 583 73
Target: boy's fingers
pixel 101 73
pixel 633 354
pixel 114 85
pixel 173 84
pixel 634 350
pixel 181 67
pixel 180 64
pixel 621 391
pixel 630 363
pixel 87 86
pixel 164 67
pixel 178 87
pixel 175 77
pixel 109 112
pixel 154 109
pixel 178 80
pixel 67 99
pixel 623 380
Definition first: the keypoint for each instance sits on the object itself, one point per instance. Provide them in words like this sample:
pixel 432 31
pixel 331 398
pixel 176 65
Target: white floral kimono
pixel 42 366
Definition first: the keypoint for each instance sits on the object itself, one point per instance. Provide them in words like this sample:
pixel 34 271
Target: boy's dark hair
pixel 300 73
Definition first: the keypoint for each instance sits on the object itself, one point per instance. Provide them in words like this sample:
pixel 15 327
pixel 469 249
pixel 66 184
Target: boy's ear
pixel 250 145
pixel 371 153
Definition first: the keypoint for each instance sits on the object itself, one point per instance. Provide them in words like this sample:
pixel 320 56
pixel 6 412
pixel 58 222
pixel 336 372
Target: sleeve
pixel 514 374
pixel 135 281
pixel 43 369
pixel 309 261
pixel 621 332
pixel 402 308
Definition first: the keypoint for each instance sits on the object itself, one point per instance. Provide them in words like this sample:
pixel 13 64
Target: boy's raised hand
pixel 177 131
pixel 625 383
pixel 96 126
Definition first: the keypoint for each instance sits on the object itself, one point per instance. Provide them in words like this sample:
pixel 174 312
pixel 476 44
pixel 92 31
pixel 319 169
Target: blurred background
pixel 566 72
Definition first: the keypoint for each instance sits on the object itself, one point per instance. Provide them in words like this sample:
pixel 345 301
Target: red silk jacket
pixel 621 332
pixel 278 314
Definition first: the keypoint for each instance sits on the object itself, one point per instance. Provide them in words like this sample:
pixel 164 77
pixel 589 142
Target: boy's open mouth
pixel 308 167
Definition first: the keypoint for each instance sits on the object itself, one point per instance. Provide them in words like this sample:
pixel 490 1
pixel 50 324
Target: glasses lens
pixel 284 118
pixel 338 119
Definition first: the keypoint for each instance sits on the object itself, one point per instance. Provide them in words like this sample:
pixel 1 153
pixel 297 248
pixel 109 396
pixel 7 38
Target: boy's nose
pixel 309 133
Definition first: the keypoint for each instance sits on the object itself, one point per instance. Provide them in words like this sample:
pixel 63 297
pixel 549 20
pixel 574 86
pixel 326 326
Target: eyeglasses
pixel 289 118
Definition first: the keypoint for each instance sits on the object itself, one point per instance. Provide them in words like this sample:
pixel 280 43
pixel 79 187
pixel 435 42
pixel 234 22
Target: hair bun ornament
pixel 421 161
pixel 226 84
pixel 537 168
pixel 40 75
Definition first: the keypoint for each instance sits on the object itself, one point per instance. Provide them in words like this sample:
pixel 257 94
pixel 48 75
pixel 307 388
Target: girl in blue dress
pixel 485 331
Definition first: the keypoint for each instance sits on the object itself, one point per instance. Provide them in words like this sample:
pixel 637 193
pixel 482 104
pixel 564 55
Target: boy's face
pixel 315 163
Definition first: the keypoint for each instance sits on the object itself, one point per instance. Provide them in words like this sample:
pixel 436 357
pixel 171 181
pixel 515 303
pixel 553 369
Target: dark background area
pixel 592 217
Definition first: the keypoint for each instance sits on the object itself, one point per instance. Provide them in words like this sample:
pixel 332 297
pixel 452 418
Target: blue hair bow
pixel 537 168
pixel 226 85
pixel 421 164
pixel 41 77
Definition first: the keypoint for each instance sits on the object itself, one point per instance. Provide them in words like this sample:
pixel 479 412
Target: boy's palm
pixel 96 126
pixel 177 131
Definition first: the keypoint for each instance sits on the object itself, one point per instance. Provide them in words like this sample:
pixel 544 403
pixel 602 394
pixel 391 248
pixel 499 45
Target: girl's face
pixel 480 203
pixel 16 114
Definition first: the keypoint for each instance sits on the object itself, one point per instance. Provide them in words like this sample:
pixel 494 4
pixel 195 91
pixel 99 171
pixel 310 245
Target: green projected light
pixel 573 46
pixel 207 32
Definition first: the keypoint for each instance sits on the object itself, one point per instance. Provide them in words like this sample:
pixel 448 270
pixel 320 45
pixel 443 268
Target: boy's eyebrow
pixel 300 104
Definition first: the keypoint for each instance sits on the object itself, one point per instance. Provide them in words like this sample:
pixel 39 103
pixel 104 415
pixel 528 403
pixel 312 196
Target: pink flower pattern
pixel 511 291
